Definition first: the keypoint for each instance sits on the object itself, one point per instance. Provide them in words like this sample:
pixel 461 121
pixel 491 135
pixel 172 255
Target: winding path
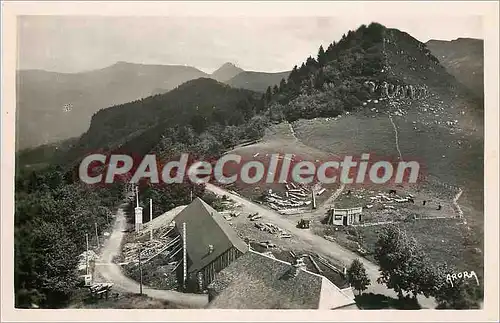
pixel 292 131
pixel 330 201
pixel 397 138
pixel 455 199
pixel 455 203
pixel 111 272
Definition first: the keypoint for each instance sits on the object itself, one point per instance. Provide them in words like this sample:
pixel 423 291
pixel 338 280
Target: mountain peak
pixel 226 72
pixel 228 65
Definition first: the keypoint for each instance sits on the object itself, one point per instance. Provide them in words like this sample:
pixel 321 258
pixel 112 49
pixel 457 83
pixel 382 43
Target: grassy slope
pixel 464 59
pixel 357 134
pixel 278 140
pixel 461 166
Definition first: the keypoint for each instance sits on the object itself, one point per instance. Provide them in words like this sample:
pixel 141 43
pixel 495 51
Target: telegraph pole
pixel 87 253
pixel 96 235
pixel 150 219
pixel 140 271
pixel 184 255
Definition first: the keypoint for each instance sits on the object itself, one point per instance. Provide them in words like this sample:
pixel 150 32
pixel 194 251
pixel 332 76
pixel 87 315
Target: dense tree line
pixel 332 82
pixel 405 268
pixel 52 216
pixel 199 104
pixel 211 143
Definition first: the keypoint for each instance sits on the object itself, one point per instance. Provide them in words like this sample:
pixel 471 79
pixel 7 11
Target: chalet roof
pixel 204 227
pixel 257 281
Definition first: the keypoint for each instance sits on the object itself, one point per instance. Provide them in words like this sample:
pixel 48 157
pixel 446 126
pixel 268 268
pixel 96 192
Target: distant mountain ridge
pixel 257 81
pixel 226 72
pixel 238 78
pixel 464 59
pixel 198 103
pixel 56 106
pixel 53 106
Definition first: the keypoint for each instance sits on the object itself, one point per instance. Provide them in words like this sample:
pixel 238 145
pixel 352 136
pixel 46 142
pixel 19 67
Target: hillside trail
pixel 318 244
pixel 112 273
pixel 322 209
pixel 396 138
pixel 292 131
pixel 335 195
pixel 457 207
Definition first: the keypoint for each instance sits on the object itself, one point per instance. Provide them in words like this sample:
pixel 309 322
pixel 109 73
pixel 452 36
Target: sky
pixel 270 44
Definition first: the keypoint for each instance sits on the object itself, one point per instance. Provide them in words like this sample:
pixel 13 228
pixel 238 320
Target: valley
pixel 43 95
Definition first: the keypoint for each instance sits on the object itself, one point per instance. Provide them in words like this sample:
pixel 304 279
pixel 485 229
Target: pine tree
pixel 329 50
pixel 294 74
pixel 357 277
pixel 268 94
pixel 321 56
pixel 302 70
pixel 282 85
pixel 275 89
pixel 319 79
pixel 311 62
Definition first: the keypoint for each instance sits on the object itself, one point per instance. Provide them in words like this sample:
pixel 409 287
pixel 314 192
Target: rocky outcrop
pixel 395 91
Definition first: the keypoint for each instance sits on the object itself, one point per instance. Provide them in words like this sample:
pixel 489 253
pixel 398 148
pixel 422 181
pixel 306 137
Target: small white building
pixel 344 216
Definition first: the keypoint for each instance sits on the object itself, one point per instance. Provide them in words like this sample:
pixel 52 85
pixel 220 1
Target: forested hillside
pixel 336 80
pixel 52 216
pixel 202 105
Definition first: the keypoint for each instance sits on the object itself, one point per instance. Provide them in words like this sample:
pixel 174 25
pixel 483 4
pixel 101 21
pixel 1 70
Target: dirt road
pixel 317 243
pixel 330 201
pixel 111 272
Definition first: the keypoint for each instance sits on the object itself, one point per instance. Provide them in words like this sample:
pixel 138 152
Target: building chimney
pixel 210 249
pixel 298 265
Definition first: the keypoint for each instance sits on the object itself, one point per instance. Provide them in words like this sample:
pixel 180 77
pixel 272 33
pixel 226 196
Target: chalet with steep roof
pixel 258 281
pixel 211 244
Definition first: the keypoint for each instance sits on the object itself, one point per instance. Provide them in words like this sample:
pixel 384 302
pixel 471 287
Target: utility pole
pixel 140 270
pixel 97 235
pixel 184 255
pixel 137 195
pixel 87 253
pixel 150 219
